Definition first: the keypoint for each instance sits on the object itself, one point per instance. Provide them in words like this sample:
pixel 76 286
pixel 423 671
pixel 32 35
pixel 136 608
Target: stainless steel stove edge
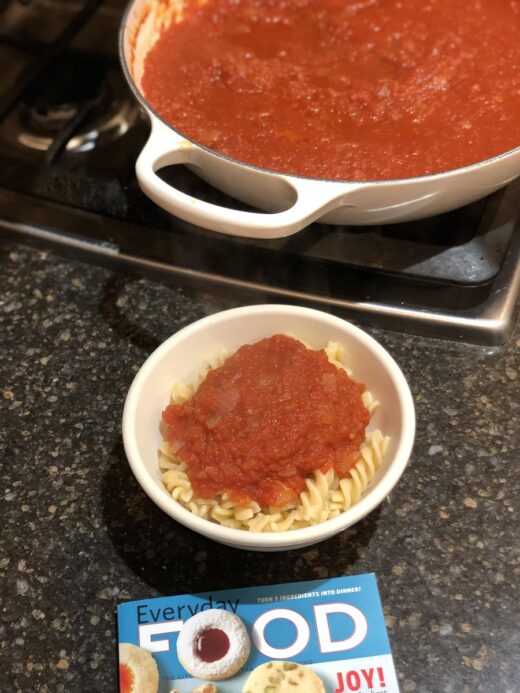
pixel 491 327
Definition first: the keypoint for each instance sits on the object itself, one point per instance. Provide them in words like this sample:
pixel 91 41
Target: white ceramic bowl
pixel 181 357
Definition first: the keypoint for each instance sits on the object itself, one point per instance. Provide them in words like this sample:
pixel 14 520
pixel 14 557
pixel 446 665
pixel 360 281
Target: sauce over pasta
pixel 342 89
pixel 259 425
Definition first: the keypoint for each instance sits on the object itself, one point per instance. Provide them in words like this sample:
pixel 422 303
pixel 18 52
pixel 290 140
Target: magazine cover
pixel 322 636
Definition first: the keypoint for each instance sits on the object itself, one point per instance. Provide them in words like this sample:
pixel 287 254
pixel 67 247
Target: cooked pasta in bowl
pixel 269 427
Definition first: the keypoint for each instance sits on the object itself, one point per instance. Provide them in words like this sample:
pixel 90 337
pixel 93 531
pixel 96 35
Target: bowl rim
pixel 242 538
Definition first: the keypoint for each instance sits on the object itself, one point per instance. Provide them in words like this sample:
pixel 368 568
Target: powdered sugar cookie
pixel 283 677
pixel 213 645
pixel 138 671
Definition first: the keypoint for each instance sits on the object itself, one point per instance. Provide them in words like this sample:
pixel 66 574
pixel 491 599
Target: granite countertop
pixel 79 535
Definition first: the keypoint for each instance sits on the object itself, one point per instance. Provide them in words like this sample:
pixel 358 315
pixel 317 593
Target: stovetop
pixel 70 132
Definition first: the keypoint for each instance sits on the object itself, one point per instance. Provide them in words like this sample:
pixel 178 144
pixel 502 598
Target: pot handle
pixel 313 198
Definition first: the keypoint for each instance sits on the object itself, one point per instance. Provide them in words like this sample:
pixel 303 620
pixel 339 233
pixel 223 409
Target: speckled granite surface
pixel 78 534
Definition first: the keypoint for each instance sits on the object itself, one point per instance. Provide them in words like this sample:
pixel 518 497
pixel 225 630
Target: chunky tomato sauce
pixel 343 89
pixel 260 424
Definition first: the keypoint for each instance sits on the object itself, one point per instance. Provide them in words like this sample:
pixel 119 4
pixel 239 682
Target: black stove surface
pixel 70 132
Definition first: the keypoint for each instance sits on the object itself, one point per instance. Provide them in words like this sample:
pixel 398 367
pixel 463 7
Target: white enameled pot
pixel 291 202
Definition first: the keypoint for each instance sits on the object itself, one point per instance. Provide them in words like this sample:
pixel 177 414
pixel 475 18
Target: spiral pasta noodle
pixel 325 495
pixel 351 488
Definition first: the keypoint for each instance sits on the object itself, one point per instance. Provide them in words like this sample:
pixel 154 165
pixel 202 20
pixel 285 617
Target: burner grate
pixel 76 105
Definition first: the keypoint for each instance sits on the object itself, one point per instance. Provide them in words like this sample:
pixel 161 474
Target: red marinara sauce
pixel 261 423
pixel 343 89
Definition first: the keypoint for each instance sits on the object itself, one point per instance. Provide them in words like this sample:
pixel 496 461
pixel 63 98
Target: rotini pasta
pixel 325 496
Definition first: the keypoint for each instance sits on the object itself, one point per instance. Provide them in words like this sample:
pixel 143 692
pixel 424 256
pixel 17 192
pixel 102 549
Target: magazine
pixel 323 636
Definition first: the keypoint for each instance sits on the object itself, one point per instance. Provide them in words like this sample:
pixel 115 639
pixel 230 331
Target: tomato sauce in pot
pixel 342 89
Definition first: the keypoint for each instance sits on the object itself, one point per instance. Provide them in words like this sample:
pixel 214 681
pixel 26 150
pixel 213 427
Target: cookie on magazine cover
pixel 283 677
pixel 138 671
pixel 213 645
